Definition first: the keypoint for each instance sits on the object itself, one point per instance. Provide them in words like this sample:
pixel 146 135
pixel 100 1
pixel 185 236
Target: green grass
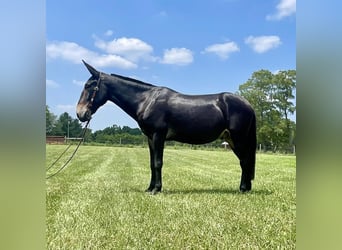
pixel 98 201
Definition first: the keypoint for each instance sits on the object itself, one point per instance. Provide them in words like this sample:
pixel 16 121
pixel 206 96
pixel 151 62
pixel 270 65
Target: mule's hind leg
pixel 247 164
pixel 245 151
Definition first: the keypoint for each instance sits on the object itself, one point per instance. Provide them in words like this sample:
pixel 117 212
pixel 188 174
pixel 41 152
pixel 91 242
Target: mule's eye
pixel 89 84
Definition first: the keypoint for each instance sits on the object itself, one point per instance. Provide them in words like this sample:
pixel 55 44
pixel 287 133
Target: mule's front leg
pixel 153 175
pixel 156 145
pixel 152 182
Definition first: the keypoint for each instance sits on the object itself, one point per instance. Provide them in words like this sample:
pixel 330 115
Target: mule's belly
pixel 193 140
pixel 195 133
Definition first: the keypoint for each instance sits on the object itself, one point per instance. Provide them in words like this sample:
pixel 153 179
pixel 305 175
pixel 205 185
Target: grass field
pixel 98 201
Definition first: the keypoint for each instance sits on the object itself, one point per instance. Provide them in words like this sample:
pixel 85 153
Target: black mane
pixel 132 80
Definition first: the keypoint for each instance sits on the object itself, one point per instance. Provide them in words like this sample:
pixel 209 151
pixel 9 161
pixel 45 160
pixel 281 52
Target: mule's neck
pixel 127 93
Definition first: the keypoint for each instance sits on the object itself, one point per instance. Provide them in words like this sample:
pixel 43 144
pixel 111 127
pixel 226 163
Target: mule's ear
pixel 92 70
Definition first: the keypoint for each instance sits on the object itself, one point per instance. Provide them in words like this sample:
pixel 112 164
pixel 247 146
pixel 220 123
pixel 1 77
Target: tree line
pixel 271 94
pixel 69 127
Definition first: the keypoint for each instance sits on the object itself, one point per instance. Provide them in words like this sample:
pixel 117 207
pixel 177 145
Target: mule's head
pixel 93 96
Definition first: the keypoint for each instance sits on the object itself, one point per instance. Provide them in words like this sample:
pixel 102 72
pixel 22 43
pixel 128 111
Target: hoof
pixel 246 187
pixel 244 190
pixel 155 191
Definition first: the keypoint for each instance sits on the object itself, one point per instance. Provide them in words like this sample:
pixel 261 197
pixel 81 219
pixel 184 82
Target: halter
pixel 96 89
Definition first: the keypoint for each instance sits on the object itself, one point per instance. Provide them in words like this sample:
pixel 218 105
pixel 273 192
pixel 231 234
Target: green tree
pixel 66 124
pixel 50 121
pixel 117 135
pixel 272 97
pixel 285 82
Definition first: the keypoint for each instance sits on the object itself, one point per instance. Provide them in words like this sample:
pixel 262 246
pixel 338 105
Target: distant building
pixel 54 139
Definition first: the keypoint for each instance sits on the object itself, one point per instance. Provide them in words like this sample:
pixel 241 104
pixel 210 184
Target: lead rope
pixel 66 163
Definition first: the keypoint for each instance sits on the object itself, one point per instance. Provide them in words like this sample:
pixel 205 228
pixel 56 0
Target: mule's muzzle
pixel 84 114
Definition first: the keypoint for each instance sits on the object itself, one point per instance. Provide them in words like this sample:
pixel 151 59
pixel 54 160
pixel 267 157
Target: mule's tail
pixel 253 145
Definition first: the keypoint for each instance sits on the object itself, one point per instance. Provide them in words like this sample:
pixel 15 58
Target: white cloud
pixel 108 33
pixel 177 56
pixel 51 83
pixel 223 50
pixel 132 49
pixel 284 8
pixel 262 44
pixel 78 83
pixel 74 53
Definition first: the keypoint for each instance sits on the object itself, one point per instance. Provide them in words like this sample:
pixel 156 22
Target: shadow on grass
pixel 212 191
pixel 216 191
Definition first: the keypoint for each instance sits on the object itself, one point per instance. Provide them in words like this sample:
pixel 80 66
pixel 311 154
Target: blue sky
pixel 194 47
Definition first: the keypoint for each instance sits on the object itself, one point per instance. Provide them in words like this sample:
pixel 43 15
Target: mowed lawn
pixel 98 201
